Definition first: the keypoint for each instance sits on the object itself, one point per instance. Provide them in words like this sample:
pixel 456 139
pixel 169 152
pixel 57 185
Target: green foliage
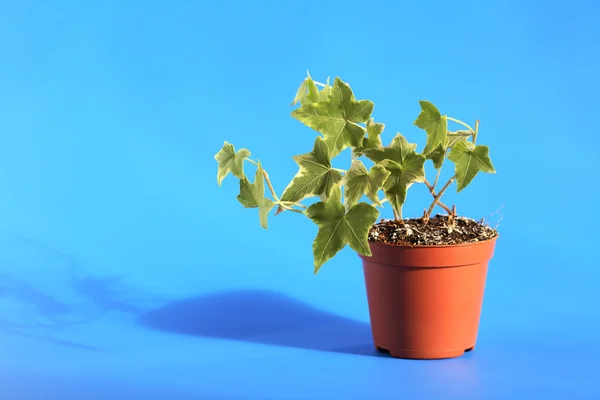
pixel 252 195
pixel 468 161
pixel 373 139
pixel 437 155
pixel 230 161
pixel 343 122
pixel 308 92
pixel 404 165
pixel 358 182
pixel 457 137
pixel 337 117
pixel 435 124
pixel 315 176
pixel 338 227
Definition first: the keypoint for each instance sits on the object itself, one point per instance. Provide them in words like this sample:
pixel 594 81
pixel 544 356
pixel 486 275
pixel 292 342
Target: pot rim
pixel 434 246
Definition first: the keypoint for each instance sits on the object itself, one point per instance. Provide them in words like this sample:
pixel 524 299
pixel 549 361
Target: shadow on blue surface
pixel 44 291
pixel 263 317
pixel 50 339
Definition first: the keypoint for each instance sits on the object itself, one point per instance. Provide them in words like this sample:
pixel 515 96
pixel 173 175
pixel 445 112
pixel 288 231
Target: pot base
pixel 424 355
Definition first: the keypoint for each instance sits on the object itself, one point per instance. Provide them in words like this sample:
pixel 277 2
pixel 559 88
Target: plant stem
pixel 270 186
pixel 343 171
pixel 436 199
pixel 292 203
pixel 476 131
pixel 439 203
pixel 266 179
pixel 266 175
pixel 437 177
pixel 460 122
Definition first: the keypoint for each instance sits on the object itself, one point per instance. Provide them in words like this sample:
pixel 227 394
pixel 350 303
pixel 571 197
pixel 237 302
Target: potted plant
pixel 425 276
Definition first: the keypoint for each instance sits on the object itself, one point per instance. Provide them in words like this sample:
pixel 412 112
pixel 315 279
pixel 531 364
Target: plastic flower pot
pixel 425 301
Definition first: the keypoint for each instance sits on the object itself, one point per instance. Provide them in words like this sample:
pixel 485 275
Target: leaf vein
pixel 329 239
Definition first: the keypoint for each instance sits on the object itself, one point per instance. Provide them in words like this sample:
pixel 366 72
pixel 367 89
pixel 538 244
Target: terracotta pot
pixel 425 301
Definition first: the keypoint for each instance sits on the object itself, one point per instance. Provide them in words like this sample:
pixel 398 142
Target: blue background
pixel 126 272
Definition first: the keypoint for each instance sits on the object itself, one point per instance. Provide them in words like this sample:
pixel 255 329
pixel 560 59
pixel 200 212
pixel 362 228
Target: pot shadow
pixel 263 317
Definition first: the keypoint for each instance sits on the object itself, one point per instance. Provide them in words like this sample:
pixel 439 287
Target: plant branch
pixel 281 209
pixel 291 203
pixel 460 122
pixel 267 180
pixel 398 216
pixel 437 177
pixel 270 186
pixel 436 199
pixel 439 203
pixel 282 204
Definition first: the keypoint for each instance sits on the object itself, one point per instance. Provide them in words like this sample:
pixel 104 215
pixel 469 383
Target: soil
pixel 438 231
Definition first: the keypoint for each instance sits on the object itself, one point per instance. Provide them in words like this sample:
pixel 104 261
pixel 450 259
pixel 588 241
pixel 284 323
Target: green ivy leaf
pixel 359 181
pixel 230 161
pixel 325 92
pixel 405 167
pixel 374 131
pixel 252 195
pixel 373 139
pixel 397 151
pixel 337 118
pixel 437 156
pixel 457 136
pixel 315 176
pixel 402 176
pixel 468 161
pixel 307 93
pixel 377 177
pixel 337 228
pixel 434 123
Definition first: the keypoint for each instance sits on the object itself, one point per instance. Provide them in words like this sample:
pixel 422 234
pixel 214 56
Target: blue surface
pixel 125 272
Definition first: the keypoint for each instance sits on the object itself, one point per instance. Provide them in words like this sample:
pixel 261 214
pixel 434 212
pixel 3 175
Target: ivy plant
pixel 343 122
